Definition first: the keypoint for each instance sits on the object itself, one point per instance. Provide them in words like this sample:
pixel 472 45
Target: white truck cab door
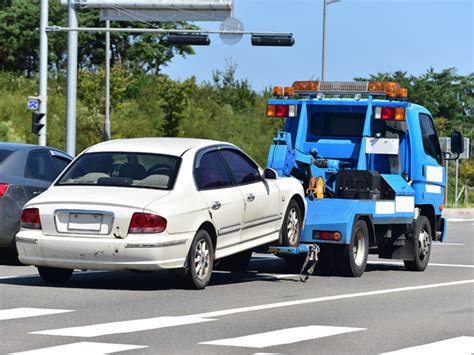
pixel 224 200
pixel 261 198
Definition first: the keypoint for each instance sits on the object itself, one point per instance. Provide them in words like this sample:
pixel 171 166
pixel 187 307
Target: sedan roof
pixel 16 146
pixel 169 146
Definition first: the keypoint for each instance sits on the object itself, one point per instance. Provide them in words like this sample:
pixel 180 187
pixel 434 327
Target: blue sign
pixel 33 104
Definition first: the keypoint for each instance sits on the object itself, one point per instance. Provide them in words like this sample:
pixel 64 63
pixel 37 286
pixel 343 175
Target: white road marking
pixel 283 336
pixel 448 244
pixel 400 263
pixel 460 219
pixel 24 312
pixel 88 348
pixel 164 322
pixel 454 346
pixel 130 326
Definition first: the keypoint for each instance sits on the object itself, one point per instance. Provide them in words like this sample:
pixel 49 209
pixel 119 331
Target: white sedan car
pixel 159 203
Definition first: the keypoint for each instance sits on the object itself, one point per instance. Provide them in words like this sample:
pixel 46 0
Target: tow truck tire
pixel 54 275
pixel 292 225
pixel 422 245
pixel 236 262
pixel 352 258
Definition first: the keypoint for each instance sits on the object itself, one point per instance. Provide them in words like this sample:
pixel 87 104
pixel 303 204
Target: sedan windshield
pixel 123 169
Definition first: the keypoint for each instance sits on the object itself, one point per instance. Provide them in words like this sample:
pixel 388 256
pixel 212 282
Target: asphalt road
pixel 264 310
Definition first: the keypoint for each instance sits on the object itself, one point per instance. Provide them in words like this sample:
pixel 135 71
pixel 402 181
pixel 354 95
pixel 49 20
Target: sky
pixel 363 37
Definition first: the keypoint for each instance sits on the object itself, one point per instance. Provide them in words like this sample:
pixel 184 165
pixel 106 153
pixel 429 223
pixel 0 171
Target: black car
pixel 25 171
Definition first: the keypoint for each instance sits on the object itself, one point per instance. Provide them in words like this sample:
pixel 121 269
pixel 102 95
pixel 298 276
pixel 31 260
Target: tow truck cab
pixel 372 168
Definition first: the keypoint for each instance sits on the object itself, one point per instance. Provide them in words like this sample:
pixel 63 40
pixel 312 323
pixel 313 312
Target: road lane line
pixel 400 263
pixel 130 326
pixel 453 346
pixel 448 244
pixel 88 348
pixel 25 312
pixel 283 336
pixel 173 321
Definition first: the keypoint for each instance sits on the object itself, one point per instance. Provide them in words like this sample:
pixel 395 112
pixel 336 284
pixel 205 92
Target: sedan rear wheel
pixel 200 261
pixel 54 275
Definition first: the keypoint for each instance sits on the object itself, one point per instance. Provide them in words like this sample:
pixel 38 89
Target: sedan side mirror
pixel 270 174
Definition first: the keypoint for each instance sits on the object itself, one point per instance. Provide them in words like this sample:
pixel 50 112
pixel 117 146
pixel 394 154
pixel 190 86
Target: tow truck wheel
pixel 353 257
pixel 422 245
pixel 51 274
pixel 292 224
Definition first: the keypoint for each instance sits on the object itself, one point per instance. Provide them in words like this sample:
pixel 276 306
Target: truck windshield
pixel 123 169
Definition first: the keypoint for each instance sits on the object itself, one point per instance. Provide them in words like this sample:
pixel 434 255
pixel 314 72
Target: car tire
pixel 54 275
pixel 199 262
pixel 423 243
pixel 236 262
pixel 352 258
pixel 292 224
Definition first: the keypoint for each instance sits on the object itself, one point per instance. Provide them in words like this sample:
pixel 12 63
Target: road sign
pixel 33 104
pixel 445 143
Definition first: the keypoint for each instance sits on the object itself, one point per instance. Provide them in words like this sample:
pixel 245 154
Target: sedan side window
pixel 243 169
pixel 61 163
pixel 40 166
pixel 210 172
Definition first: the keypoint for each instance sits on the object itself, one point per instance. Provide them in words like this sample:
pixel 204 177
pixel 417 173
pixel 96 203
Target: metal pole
pixel 43 70
pixel 71 80
pixel 323 60
pixel 456 185
pixel 107 83
pixel 447 183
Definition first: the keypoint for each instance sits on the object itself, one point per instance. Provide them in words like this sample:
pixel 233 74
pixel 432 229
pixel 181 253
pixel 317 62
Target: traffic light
pixel 272 40
pixel 188 39
pixel 36 126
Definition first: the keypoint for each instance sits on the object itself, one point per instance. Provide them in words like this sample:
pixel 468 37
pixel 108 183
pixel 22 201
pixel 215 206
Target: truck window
pixel 337 124
pixel 430 138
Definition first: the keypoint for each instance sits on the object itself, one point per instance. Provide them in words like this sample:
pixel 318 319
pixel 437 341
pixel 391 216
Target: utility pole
pixel 107 83
pixel 323 60
pixel 43 70
pixel 71 79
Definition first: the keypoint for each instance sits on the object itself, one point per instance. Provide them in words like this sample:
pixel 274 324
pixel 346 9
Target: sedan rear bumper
pixel 136 252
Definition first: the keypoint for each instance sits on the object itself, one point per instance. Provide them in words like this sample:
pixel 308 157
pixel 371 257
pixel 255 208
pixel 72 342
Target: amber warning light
pixel 281 111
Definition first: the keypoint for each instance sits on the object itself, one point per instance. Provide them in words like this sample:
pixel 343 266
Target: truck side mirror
pixel 457 143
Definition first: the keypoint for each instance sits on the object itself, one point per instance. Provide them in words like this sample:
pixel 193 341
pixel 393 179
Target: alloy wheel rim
pixel 359 248
pixel 202 260
pixel 423 243
pixel 293 226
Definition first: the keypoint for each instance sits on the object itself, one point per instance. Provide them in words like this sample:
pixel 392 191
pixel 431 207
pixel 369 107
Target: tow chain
pixel 310 262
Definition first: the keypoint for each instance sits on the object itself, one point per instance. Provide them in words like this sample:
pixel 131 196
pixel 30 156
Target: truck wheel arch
pixel 370 226
pixel 429 212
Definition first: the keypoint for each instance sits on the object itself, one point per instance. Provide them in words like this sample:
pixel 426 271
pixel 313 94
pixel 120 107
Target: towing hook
pixel 310 262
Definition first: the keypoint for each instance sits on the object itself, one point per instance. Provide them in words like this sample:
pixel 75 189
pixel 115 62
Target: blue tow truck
pixel 372 168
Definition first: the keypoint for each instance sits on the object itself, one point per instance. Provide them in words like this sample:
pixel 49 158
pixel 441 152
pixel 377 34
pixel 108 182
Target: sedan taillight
pixel 3 189
pixel 30 218
pixel 146 223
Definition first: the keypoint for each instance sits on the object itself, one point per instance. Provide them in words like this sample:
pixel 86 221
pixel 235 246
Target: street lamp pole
pixel 323 61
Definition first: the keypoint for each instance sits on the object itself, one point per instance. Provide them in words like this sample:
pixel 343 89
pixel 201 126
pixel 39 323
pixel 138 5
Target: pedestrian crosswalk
pixel 258 340
pixel 282 336
pixel 25 312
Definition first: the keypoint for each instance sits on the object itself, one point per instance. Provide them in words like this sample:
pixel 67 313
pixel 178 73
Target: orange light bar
pixel 278 91
pixel 376 86
pixel 288 91
pixel 391 89
pixel 271 110
pixel 400 114
pixel 305 86
pixel 403 93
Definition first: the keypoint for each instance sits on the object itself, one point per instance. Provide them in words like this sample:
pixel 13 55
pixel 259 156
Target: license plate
pixel 85 222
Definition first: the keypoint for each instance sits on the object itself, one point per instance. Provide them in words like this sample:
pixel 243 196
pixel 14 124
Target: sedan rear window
pixel 4 153
pixel 123 169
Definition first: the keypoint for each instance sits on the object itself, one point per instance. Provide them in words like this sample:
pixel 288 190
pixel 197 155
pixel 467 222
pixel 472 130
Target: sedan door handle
pixel 216 205
pixel 250 197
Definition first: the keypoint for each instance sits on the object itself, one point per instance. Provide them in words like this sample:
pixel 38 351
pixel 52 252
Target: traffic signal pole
pixel 43 70
pixel 71 90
